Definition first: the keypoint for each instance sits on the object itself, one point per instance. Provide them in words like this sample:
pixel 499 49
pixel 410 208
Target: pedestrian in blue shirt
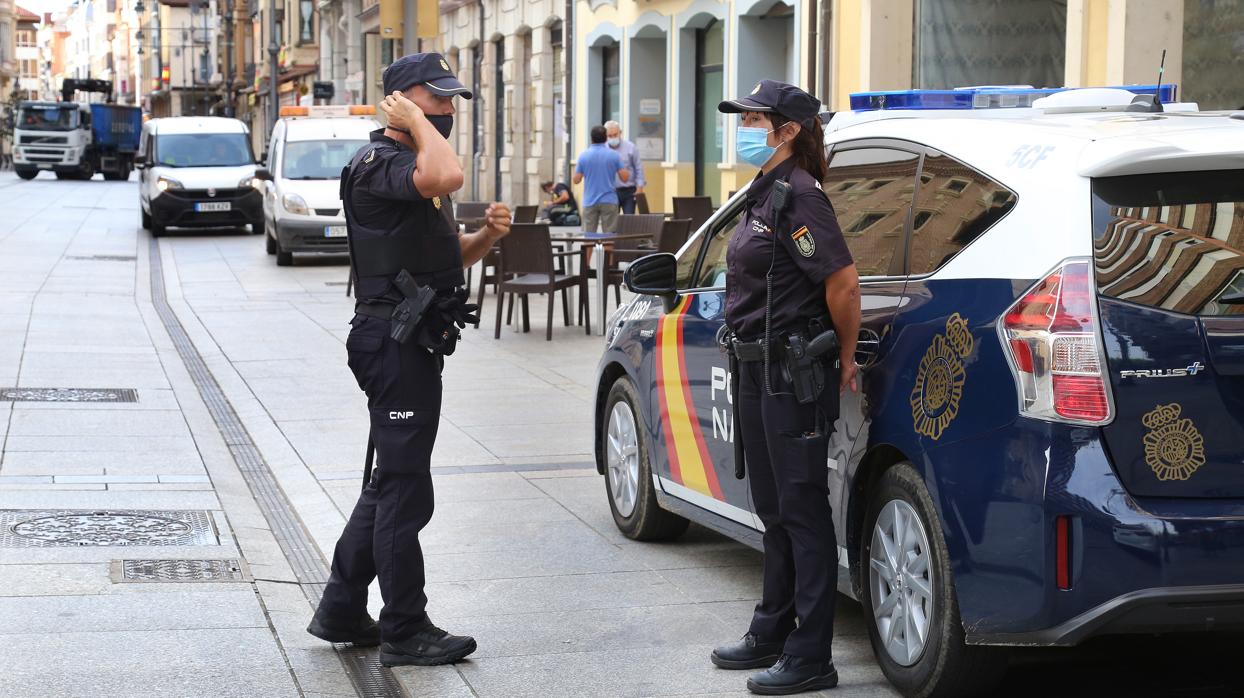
pixel 630 160
pixel 596 168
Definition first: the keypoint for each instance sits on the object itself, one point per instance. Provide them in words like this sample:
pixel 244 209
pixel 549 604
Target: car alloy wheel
pixel 622 458
pixel 902 581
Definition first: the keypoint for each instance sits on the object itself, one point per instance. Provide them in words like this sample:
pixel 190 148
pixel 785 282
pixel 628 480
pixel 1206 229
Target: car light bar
pixel 980 97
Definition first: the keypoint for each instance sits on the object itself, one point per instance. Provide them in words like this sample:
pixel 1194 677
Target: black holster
pixel 725 340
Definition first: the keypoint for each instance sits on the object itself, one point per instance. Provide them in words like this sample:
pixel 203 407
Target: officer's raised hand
pixel 403 114
pixel 497 221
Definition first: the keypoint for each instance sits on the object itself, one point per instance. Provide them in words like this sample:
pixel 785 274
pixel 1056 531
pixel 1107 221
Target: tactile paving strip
pixel 166 571
pixel 68 395
pixel 30 528
pixel 370 679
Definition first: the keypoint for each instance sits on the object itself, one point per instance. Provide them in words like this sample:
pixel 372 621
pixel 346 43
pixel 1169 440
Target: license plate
pixel 206 206
pixel 334 231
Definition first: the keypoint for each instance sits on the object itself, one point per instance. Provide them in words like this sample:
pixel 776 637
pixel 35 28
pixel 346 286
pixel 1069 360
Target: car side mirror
pixel 654 275
pixel 263 173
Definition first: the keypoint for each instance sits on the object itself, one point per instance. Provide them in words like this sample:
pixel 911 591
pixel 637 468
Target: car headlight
pixel 294 204
pixel 249 181
pixel 166 183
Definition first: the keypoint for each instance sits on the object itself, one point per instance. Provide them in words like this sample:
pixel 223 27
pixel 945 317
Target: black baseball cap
pixel 774 96
pixel 428 69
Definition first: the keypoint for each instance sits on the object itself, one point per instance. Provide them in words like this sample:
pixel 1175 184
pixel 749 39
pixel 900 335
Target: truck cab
pixel 75 140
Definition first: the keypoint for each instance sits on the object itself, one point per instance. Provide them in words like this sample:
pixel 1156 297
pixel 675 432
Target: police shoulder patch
pixel 804 242
pixel 371 155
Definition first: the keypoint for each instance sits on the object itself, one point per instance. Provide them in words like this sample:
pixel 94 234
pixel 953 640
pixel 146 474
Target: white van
pixel 302 209
pixel 197 171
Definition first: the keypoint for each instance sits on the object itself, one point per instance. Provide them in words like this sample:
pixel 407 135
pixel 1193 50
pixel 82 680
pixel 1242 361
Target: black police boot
pixel 748 653
pixel 428 646
pixel 363 632
pixel 794 674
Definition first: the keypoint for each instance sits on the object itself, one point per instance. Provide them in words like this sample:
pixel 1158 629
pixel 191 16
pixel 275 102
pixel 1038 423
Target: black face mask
pixel 443 123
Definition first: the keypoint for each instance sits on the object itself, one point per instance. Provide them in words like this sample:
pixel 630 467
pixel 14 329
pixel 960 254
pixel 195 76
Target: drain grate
pixel 103 257
pixel 68 395
pixel 29 528
pixel 165 571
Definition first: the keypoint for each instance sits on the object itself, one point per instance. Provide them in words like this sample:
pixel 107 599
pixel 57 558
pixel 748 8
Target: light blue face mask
pixel 751 144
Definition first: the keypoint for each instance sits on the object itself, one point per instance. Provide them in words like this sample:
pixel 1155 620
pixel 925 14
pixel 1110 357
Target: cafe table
pixel 598 242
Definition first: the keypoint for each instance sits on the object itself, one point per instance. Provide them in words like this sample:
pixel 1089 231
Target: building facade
pixel 659 67
pixel 26 53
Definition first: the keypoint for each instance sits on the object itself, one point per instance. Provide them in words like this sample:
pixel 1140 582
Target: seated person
pixel 561 207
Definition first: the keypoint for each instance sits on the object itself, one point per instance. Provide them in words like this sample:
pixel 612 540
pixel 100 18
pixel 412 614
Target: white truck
pixel 74 139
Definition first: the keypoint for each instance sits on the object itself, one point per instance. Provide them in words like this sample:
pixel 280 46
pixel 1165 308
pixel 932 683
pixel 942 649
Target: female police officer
pixel 790 279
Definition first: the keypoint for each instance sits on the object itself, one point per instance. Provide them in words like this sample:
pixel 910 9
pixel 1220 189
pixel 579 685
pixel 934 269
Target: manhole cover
pixel 231 570
pixel 68 395
pixel 25 528
pixel 103 257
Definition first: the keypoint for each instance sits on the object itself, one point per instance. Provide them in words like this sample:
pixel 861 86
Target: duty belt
pixel 751 351
pixel 383 311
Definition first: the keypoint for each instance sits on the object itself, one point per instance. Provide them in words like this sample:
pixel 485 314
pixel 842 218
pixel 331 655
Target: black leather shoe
pixel 364 632
pixel 429 646
pixel 747 653
pixel 794 674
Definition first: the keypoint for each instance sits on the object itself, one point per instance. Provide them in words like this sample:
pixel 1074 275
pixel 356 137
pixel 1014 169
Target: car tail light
pixel 1055 348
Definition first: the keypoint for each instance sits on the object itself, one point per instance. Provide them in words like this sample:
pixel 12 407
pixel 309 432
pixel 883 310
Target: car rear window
pixel 1173 240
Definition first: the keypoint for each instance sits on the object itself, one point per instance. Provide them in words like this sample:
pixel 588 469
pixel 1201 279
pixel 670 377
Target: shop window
pixel 987 42
pixel 611 95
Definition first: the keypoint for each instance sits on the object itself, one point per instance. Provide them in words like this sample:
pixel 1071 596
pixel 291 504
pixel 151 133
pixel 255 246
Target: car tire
pixel 66 175
pixel 943 665
pixel 283 258
pixel 27 174
pixel 145 218
pixel 269 241
pixel 628 471
pixel 157 229
pixel 258 226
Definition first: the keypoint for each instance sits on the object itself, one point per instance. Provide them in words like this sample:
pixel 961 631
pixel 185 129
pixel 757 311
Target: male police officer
pixel 408 259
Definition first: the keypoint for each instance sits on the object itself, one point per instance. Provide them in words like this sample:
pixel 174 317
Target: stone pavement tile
pixel 53 488
pixel 125 444
pixel 217 663
pixel 591 630
pixel 154 462
pixel 315 663
pixel 585 498
pixel 106 479
pixel 506 441
pixel 501 536
pixel 164 487
pixel 440 681
pixel 477 487
pixel 455 447
pixel 73 424
pixel 472 408
pixel 702 584
pixel 550 594
pixel 187 608
pixel 583 558
pixel 109 500
pixel 87 369
pixel 698 547
pixel 507 512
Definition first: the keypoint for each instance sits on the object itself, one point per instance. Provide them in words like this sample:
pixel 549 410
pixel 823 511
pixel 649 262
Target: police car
pixel 1048 443
pixel 301 206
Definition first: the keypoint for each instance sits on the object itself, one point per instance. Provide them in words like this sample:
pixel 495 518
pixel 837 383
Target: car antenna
pixel 1157 94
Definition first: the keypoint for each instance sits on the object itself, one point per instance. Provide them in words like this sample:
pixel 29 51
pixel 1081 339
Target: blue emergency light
pixel 980 97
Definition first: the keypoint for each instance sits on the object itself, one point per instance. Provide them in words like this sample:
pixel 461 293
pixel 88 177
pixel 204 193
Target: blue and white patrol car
pixel 1048 442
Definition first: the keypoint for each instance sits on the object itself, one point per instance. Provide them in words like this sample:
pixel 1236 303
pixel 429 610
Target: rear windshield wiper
pixel 1233 299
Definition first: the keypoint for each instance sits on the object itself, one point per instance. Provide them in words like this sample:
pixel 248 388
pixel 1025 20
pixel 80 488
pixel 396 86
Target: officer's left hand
pixel 849 370
pixel 497 221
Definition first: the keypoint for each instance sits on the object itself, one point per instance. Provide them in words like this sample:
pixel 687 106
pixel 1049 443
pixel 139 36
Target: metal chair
pixel 674 234
pixel 696 208
pixel 526 266
pixel 641 203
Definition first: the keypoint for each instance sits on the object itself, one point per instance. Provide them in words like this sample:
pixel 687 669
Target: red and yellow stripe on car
pixel 690 464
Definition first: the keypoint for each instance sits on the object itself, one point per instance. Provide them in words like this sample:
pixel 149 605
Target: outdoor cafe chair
pixel 697 208
pixel 527 266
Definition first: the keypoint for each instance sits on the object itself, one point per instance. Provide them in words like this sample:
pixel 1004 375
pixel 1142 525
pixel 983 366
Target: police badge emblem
pixel 939 380
pixel 436 201
pixel 1174 447
pixel 804 242
pixel 444 64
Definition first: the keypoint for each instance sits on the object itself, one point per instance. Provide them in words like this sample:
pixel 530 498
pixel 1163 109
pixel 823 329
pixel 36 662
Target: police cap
pixel 774 96
pixel 428 69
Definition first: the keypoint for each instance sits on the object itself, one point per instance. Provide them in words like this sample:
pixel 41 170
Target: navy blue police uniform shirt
pixel 384 201
pixel 810 249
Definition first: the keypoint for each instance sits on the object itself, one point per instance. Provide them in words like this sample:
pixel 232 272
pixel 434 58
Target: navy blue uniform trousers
pixel 381 538
pixel 787 450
